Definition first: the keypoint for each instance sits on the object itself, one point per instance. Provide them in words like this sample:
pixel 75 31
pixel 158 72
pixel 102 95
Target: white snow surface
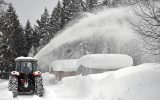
pixel 105 61
pixel 131 83
pixel 64 65
pixel 19 58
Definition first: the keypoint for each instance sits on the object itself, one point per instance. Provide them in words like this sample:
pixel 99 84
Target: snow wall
pixel 131 83
pixel 108 24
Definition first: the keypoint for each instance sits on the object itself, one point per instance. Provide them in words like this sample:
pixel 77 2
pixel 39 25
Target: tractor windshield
pixel 26 67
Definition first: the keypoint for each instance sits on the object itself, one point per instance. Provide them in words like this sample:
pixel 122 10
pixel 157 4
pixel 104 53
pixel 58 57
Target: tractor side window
pixel 35 66
pixel 18 66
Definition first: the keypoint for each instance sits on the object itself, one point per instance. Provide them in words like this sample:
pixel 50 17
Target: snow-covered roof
pixel 25 59
pixel 105 61
pixel 64 65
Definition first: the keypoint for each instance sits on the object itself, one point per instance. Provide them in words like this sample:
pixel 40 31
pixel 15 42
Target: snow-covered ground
pixel 132 83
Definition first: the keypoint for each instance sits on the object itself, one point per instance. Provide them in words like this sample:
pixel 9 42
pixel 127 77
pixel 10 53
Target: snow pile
pixel 105 61
pixel 76 87
pixel 64 65
pixel 48 79
pixel 131 83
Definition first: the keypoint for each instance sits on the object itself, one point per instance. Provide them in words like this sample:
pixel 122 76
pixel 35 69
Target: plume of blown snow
pixel 109 23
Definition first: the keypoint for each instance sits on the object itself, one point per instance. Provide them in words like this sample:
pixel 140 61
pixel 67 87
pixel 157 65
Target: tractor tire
pixel 39 86
pixel 10 83
pixel 14 87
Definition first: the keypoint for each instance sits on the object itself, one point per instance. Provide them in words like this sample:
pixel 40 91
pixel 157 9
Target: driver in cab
pixel 26 68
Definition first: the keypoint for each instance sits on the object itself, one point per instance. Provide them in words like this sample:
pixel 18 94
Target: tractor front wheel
pixel 39 86
pixel 14 86
pixel 10 84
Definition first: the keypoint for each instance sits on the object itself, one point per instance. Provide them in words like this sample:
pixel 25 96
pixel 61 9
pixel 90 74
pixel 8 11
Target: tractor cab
pixel 26 65
pixel 26 79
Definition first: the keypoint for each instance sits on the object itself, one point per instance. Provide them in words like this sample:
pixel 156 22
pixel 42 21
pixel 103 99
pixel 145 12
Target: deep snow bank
pixel 48 79
pixel 132 83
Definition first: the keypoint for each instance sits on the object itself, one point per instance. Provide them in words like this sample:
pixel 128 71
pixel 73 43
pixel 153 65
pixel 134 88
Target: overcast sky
pixel 31 9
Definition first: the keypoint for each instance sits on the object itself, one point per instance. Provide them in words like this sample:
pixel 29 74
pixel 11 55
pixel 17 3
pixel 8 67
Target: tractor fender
pixel 15 73
pixel 37 73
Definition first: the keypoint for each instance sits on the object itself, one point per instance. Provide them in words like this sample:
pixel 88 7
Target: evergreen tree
pixel 67 14
pixel 14 30
pixel 3 5
pixel 77 7
pixel 12 40
pixel 91 4
pixel 70 10
pixel 116 3
pixel 28 37
pixel 55 19
pixel 112 3
pixel 106 3
pixel 6 56
pixel 36 39
pixel 43 28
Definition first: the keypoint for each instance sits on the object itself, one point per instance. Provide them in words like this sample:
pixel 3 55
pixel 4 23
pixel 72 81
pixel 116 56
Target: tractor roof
pixel 25 59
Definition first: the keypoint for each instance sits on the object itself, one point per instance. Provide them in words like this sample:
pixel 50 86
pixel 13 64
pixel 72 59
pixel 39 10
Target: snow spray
pixel 109 23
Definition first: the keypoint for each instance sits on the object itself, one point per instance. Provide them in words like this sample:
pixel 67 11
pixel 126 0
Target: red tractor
pixel 26 79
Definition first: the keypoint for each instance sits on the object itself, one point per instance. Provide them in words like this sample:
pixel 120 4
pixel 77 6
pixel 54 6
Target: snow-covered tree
pixel 12 40
pixel 36 39
pixel 114 3
pixel 10 25
pixel 66 15
pixel 55 19
pixel 43 28
pixel 28 37
pixel 91 4
pixel 148 28
pixel 70 10
pixel 3 6
pixel 78 6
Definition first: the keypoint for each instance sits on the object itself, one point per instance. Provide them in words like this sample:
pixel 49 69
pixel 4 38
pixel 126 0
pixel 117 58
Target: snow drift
pixel 134 83
pixel 105 61
pixel 131 83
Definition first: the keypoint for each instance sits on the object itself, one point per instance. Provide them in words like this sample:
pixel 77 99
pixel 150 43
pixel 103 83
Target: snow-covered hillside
pixel 131 83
